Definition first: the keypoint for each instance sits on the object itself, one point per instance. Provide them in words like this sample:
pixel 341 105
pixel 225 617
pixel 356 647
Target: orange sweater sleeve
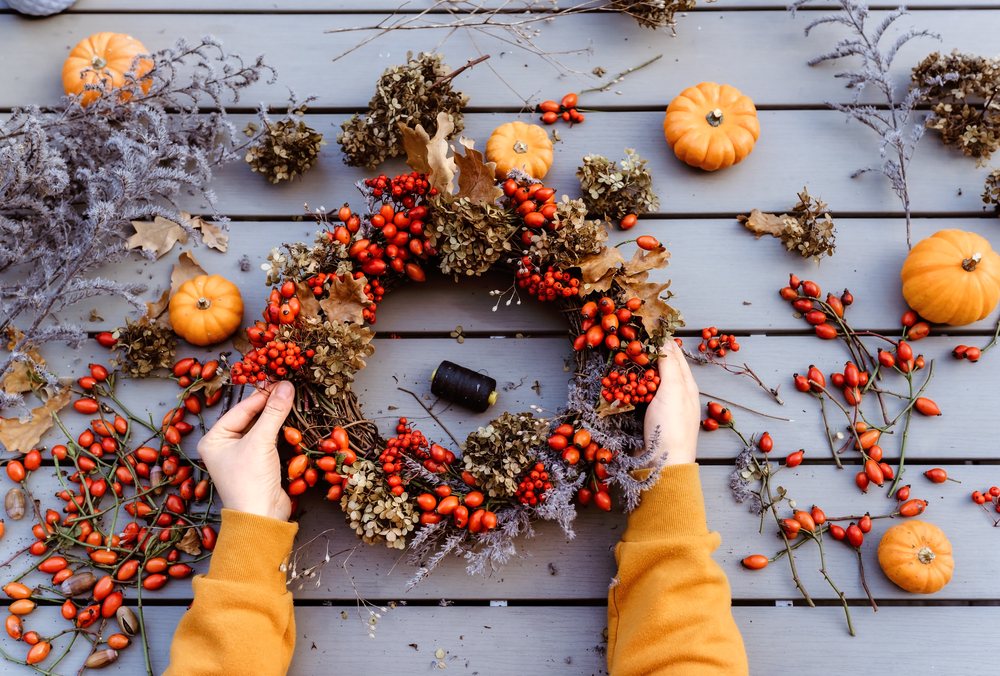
pixel 671 609
pixel 241 620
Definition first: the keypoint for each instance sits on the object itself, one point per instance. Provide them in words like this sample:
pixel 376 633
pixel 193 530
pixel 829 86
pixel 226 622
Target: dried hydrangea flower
pixel 498 454
pixel 143 348
pixel 653 13
pixel 613 192
pixel 808 230
pixel 284 150
pixel 470 237
pixel 576 237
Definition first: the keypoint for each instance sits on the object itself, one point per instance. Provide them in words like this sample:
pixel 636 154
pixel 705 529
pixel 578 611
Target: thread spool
pixel 463 386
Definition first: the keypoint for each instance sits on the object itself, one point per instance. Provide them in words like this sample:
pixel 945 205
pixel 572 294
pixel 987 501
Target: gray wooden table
pixel 555 596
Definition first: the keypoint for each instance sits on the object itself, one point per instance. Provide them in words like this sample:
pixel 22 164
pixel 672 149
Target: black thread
pixel 463 386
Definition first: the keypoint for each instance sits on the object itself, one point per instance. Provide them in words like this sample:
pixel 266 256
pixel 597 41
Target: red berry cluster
pixel 187 371
pixel 991 495
pixel 335 459
pixel 275 361
pixel 967 352
pixel 441 503
pixel 711 340
pixel 631 387
pixel 566 109
pixel 535 203
pixel 804 297
pixel 532 488
pixel 282 306
pixel 548 286
pixel 576 445
pixel 604 323
pixel 718 415
pixel 397 244
pixel 405 188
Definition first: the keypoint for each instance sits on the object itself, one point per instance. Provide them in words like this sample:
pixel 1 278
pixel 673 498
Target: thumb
pixel 279 403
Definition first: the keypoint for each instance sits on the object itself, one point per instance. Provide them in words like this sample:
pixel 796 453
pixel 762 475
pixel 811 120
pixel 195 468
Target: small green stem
pixel 620 75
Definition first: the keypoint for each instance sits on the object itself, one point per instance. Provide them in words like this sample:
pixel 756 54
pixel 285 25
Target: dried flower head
pixel 404 94
pixel 575 238
pixel 469 237
pixel 991 191
pixel 340 350
pixel 615 192
pixel 498 454
pixel 954 85
pixel 285 149
pixel 808 230
pixel 143 348
pixel 301 261
pixel 653 13
pixel 372 510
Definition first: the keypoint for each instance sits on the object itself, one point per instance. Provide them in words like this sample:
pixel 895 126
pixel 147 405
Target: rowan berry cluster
pixel 630 387
pixel 532 488
pixel 566 109
pixel 404 188
pixel 603 323
pixel 274 361
pixel 717 344
pixel 535 203
pixel 991 496
pixel 546 286
pixel 577 445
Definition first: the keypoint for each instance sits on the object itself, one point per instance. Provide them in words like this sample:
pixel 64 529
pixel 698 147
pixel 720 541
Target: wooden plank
pixel 961 389
pixel 683 191
pixel 783 57
pixel 550 567
pixel 870 255
pixel 543 640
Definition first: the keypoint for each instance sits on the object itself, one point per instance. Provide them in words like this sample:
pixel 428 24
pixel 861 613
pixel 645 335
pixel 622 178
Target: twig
pixel 455 72
pixel 431 414
pixel 829 437
pixel 822 560
pixel 746 371
pixel 726 401
pixel 620 75
pixel 861 566
pixel 996 338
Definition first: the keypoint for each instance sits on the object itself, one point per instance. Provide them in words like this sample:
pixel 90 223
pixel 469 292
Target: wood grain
pixel 349 83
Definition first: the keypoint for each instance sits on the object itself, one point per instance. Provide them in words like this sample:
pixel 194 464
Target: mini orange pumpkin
pixel 916 556
pixel 105 58
pixel 711 126
pixel 952 277
pixel 517 145
pixel 206 310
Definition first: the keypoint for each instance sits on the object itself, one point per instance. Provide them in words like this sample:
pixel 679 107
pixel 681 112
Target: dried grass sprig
pixel 894 122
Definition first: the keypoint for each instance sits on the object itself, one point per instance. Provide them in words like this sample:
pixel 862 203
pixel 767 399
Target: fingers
pixel 275 411
pixel 673 366
pixel 238 417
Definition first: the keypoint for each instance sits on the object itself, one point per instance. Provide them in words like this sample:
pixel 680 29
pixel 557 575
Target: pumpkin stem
pixel 98 62
pixel 925 556
pixel 204 303
pixel 969 264
pixel 520 147
pixel 715 117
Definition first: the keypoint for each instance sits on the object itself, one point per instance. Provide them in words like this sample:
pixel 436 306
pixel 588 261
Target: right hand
pixel 241 454
pixel 674 411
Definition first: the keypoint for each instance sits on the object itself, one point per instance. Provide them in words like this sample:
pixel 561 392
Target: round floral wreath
pixel 520 467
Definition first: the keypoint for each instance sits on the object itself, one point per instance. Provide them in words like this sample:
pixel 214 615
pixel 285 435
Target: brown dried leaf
pixel 346 300
pixel 185 269
pixel 240 342
pixel 21 437
pixel 190 543
pixel 597 266
pixel 476 178
pixel 211 234
pixel 309 305
pixel 158 236
pixel 763 224
pixel 653 307
pixel 18 380
pixel 606 408
pixel 642 261
pixel 430 155
pixel 157 313
pixel 218 381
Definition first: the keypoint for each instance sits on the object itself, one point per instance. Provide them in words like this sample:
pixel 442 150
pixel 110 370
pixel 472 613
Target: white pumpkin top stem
pixel 98 61
pixel 520 147
pixel 204 303
pixel 925 555
pixel 969 264
pixel 714 118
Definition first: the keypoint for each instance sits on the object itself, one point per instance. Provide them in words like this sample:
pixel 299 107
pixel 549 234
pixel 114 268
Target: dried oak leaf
pixel 21 437
pixel 18 379
pixel 430 155
pixel 308 304
pixel 763 224
pixel 240 343
pixel 185 269
pixel 653 309
pixel 157 313
pixel 476 177
pixel 606 408
pixel 211 234
pixel 190 543
pixel 346 300
pixel 158 237
pixel 636 270
pixel 598 269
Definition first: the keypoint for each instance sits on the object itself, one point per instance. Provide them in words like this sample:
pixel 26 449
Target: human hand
pixel 673 415
pixel 242 454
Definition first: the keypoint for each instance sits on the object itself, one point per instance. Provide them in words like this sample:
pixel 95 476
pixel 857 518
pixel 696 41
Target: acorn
pixel 101 658
pixel 14 504
pixel 78 583
pixel 127 621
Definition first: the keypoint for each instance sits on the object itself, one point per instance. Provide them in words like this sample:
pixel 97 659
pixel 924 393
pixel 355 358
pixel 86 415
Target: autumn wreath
pixel 521 467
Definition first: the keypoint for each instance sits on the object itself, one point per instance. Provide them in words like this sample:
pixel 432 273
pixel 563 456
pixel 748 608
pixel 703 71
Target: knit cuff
pixel 674 507
pixel 251 550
